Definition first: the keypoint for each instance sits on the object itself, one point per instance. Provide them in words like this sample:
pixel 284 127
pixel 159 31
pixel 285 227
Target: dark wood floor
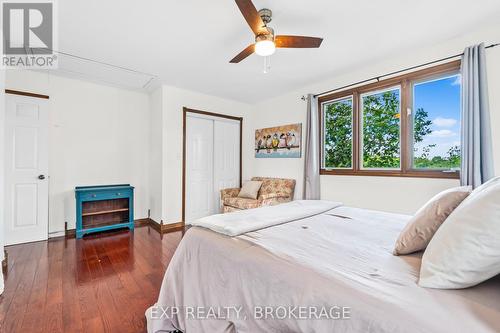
pixel 102 283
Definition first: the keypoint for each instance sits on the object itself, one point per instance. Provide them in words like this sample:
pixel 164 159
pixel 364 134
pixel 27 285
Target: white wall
pixel 97 135
pixel 403 195
pixel 173 101
pixel 156 155
pixel 283 110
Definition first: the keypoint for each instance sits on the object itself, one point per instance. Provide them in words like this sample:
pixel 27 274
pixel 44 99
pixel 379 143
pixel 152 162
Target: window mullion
pixel 356 151
pixel 405 127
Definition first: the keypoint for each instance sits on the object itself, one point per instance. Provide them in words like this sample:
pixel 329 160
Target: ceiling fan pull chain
pixel 267 64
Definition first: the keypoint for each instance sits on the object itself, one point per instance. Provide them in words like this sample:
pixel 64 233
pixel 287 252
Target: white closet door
pixel 199 167
pixel 226 157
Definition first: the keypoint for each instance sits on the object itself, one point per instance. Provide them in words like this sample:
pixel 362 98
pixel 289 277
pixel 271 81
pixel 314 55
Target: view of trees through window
pixel 338 134
pixel 381 117
pixel 434 127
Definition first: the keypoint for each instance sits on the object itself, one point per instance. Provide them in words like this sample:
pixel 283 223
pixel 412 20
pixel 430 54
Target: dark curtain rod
pixel 395 72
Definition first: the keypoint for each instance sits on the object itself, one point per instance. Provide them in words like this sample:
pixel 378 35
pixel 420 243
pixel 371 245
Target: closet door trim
pixel 185 112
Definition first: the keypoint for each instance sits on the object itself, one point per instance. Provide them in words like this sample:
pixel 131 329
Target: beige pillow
pixel 420 229
pixel 465 250
pixel 250 189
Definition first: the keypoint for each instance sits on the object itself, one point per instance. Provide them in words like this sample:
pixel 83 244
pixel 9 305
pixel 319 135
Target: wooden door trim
pixel 185 112
pixel 25 93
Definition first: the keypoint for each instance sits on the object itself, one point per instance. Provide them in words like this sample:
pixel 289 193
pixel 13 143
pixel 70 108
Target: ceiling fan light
pixel 265 48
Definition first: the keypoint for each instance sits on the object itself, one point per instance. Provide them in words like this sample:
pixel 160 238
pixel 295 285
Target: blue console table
pixel 100 208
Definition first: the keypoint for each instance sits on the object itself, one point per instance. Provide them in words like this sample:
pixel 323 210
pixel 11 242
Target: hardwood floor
pixel 102 283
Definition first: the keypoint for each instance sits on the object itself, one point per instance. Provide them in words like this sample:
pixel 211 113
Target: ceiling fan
pixel 265 40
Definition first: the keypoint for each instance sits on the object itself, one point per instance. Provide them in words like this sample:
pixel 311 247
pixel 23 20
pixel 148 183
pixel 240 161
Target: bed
pixel 340 259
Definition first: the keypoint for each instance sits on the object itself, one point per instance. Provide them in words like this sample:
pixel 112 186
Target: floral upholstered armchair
pixel 273 191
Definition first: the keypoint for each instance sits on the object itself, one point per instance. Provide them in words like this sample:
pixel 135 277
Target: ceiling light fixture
pixel 265 47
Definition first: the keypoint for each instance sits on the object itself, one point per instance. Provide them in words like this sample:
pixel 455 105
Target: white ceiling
pixel 189 43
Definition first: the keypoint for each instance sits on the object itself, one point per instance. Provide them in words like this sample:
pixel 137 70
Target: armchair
pixel 273 191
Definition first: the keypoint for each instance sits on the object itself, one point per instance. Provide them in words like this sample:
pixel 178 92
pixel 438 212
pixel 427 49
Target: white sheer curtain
pixel 311 160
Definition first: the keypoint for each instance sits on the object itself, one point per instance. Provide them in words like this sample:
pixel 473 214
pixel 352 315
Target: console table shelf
pixel 105 212
pixel 106 207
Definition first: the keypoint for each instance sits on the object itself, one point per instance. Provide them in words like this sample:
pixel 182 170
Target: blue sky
pixel 441 100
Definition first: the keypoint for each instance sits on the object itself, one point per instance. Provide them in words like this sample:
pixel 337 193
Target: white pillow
pixel 490 182
pixel 250 189
pixel 465 250
pixel 426 221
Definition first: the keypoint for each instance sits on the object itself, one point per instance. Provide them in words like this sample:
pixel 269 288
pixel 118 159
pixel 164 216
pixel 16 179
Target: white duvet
pixel 339 258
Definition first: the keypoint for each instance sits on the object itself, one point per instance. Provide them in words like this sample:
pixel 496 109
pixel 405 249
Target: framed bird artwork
pixel 279 142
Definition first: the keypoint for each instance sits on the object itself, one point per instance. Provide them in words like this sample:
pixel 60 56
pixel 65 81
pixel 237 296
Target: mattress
pixel 333 272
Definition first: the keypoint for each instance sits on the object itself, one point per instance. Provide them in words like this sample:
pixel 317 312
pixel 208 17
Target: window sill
pixel 392 173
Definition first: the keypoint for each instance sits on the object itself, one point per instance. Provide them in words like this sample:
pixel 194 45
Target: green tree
pixel 338 134
pixel 454 157
pixel 423 161
pixel 450 161
pixel 381 148
pixel 422 125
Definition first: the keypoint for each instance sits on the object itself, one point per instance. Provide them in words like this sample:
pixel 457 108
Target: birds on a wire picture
pixel 279 142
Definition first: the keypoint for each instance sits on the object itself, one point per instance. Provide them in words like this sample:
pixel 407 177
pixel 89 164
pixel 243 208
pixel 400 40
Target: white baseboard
pixel 56 234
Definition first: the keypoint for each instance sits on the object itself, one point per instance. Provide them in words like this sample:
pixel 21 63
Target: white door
pixel 26 169
pixel 199 167
pixel 226 157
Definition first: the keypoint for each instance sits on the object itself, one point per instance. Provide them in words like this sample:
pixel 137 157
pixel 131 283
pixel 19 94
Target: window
pixel 407 126
pixel 337 150
pixel 381 131
pixel 436 123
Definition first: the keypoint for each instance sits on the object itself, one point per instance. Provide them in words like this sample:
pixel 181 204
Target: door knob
pixel 41 177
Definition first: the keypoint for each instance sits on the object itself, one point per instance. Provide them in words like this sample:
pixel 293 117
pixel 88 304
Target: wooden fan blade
pixel 297 41
pixel 243 54
pixel 252 16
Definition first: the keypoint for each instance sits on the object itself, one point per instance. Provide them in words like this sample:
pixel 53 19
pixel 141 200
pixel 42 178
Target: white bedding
pixel 339 258
pixel 243 221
